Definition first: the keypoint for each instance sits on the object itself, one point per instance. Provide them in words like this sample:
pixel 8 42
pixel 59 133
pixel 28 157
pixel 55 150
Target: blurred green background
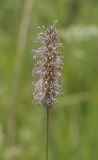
pixel 74 120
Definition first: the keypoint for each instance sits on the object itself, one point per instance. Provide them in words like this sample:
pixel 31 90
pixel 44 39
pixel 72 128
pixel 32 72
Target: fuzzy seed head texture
pixel 48 63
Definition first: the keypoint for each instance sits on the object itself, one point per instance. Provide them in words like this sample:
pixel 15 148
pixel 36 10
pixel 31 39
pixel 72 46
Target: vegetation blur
pixel 74 119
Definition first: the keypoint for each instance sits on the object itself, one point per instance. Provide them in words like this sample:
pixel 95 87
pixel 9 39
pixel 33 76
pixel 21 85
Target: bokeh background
pixel 74 120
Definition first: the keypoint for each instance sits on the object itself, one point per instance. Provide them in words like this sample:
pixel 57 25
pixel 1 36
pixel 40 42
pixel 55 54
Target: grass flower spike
pixel 47 68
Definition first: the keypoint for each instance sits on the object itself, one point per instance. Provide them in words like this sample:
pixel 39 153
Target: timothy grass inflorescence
pixel 47 69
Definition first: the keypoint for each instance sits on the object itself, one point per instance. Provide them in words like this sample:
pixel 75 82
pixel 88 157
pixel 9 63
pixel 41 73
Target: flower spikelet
pixel 47 69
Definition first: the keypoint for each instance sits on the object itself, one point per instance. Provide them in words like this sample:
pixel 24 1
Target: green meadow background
pixel 74 119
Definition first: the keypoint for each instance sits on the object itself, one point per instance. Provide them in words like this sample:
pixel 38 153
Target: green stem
pixel 47 134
